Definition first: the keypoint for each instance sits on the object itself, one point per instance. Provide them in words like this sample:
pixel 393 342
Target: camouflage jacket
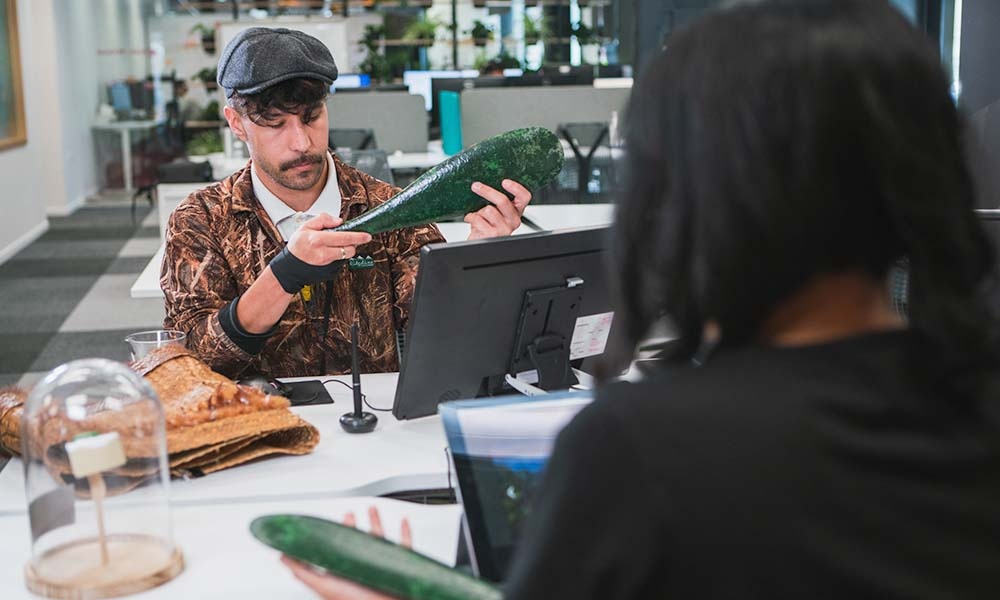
pixel 220 239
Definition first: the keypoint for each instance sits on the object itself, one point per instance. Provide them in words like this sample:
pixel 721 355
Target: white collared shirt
pixel 287 220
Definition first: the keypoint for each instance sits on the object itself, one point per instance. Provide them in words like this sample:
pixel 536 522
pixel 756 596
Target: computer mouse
pixel 268 386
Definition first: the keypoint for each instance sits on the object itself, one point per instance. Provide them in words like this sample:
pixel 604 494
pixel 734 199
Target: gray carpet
pixel 65 296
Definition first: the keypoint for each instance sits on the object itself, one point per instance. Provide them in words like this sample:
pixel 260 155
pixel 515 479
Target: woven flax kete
pixel 211 422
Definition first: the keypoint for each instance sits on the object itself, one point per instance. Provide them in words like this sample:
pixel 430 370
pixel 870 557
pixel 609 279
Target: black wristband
pixel 293 273
pixel 251 343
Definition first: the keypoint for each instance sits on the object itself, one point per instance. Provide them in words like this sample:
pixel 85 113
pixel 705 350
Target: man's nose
pixel 299 139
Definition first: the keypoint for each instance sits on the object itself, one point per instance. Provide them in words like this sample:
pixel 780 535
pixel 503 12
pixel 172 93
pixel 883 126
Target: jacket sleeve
pixel 403 247
pixel 197 283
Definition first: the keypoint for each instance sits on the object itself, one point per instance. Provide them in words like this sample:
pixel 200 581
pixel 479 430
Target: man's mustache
pixel 309 159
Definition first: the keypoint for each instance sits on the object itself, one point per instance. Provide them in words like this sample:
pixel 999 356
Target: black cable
pixel 531 224
pixel 343 383
pixel 364 398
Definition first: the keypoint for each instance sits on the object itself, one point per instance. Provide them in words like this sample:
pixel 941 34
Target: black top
pixel 827 471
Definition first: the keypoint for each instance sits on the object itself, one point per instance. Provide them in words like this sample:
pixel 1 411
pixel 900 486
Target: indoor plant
pixel 584 35
pixel 535 30
pixel 375 64
pixel 422 31
pixel 480 33
pixel 207 37
pixel 207 76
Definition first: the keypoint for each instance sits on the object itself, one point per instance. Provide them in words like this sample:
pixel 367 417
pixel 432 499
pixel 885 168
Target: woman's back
pixel 820 471
pixel 784 155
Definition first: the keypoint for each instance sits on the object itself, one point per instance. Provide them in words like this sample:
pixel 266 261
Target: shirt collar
pixel 328 201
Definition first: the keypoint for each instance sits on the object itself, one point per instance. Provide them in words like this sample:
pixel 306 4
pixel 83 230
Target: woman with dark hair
pixel 803 440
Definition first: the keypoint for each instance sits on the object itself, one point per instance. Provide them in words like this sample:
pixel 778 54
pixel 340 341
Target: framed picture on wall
pixel 12 130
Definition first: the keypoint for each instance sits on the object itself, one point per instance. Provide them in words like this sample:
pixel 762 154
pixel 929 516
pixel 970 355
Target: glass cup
pixel 142 343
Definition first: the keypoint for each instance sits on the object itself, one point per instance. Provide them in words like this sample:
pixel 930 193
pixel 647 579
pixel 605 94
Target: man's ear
pixel 235 122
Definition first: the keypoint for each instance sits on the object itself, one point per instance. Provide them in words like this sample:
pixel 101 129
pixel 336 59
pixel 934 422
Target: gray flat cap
pixel 260 57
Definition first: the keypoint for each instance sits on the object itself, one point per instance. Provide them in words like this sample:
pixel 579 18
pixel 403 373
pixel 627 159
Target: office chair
pixel 579 136
pixel 185 171
pixel 180 171
pixel 354 139
pixel 899 272
pixel 373 162
pixel 149 155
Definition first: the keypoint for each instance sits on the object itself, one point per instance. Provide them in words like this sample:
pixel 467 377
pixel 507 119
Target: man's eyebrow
pixel 268 117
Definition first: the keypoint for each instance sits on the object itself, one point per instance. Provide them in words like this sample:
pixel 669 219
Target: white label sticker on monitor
pixel 590 335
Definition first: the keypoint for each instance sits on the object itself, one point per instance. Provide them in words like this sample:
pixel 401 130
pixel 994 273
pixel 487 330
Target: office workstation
pixel 457 298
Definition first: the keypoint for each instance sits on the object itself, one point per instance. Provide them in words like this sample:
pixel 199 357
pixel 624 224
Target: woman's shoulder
pixel 776 387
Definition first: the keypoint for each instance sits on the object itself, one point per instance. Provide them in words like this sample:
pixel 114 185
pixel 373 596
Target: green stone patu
pixel 368 560
pixel 531 156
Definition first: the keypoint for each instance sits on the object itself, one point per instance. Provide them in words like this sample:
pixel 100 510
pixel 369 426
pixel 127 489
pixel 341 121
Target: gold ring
pixel 343 253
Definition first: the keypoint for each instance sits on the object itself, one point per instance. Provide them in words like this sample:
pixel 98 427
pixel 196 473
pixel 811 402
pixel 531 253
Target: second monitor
pixel 526 304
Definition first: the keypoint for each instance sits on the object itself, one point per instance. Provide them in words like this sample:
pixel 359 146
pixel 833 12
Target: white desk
pixel 223 166
pixel 168 196
pixel 435 154
pixel 569 216
pixel 212 514
pixel 398 456
pixel 222 558
pixel 613 82
pixel 147 285
pixel 124 129
pixel 418 160
pixel 548 216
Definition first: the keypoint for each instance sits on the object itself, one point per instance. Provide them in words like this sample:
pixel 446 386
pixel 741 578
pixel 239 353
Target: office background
pixel 59 184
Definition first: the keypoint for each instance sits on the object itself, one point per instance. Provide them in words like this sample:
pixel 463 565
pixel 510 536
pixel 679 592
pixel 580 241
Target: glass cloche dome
pixel 96 478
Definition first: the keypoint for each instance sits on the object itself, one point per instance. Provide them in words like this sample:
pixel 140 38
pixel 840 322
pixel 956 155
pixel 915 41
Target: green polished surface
pixel 371 561
pixel 532 156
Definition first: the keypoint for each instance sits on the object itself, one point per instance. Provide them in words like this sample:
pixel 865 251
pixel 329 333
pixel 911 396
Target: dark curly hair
pixel 776 141
pixel 300 96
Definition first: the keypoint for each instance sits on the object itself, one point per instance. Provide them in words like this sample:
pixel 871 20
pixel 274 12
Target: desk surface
pixel 223 560
pixel 548 216
pixel 125 125
pixel 398 456
pixel 211 515
pixel 567 216
pixel 223 166
pixel 147 285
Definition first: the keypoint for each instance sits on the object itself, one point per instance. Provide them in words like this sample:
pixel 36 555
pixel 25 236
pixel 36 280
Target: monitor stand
pixel 542 342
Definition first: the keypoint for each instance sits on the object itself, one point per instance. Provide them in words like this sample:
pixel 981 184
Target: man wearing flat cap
pixel 251 273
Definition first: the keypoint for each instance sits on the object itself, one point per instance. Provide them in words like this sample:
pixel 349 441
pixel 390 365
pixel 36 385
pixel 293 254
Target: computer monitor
pixel 610 71
pixel 542 79
pixel 499 449
pixel 142 95
pixel 120 96
pixel 459 85
pixel 351 81
pixel 486 308
pixel 419 82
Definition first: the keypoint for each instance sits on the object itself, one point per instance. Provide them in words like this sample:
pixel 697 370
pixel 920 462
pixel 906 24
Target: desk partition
pixel 399 119
pixel 489 112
